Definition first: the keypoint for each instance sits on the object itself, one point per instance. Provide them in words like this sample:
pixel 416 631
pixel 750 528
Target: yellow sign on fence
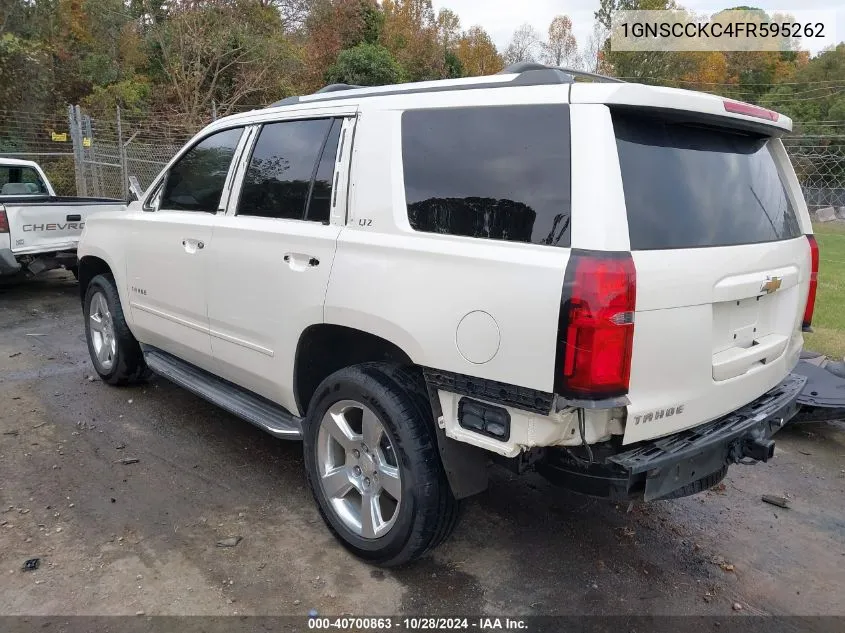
pixel 86 142
pixel 60 138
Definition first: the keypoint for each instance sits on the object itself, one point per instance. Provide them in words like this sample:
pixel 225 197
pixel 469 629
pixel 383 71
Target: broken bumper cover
pixel 8 264
pixel 657 468
pixel 823 397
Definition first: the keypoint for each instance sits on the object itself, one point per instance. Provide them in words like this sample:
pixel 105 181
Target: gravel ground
pixel 125 538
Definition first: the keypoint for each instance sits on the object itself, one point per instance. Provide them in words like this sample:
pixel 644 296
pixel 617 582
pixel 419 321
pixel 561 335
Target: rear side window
pixel 688 186
pixel 286 171
pixel 195 182
pixel 498 172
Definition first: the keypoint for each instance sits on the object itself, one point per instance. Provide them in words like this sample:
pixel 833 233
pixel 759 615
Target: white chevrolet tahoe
pixel 38 229
pixel 603 281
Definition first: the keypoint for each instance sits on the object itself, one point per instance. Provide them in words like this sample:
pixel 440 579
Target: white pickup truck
pixel 39 230
pixel 607 282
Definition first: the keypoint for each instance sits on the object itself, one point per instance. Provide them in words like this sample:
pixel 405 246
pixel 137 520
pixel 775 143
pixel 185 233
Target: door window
pixel 195 182
pixel 319 205
pixel 290 172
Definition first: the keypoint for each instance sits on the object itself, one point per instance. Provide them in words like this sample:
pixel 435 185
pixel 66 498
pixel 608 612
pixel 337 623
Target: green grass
pixel 829 317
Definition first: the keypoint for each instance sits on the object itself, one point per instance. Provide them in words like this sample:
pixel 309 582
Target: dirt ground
pixel 117 538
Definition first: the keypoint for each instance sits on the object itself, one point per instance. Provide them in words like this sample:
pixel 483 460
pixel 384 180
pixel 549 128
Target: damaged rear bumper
pixel 657 468
pixel 35 263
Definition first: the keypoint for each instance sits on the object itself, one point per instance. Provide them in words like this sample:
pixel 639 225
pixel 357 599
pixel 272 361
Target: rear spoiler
pixel 685 104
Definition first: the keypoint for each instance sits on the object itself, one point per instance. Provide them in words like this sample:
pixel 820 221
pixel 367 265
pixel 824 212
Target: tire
pixel 427 512
pixel 699 485
pixel 125 364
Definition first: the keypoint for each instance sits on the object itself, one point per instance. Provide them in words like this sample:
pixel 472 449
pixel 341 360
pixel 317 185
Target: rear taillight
pixel 4 221
pixel 738 107
pixel 814 282
pixel 596 329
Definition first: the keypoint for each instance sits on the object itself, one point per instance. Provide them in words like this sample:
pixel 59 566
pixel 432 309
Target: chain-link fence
pixel 89 155
pixel 94 155
pixel 819 162
pixel 115 148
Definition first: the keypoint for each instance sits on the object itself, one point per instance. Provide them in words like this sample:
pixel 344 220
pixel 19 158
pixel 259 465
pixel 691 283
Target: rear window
pixel 688 186
pixel 18 180
pixel 498 172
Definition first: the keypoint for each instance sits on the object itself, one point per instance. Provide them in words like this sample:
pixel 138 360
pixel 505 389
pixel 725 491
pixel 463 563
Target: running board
pixel 246 405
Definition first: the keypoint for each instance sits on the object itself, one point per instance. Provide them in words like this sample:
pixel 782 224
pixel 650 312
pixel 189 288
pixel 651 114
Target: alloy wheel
pixel 358 469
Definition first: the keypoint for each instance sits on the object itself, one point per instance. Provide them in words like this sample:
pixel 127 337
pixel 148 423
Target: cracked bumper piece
pixel 657 468
pixel 8 263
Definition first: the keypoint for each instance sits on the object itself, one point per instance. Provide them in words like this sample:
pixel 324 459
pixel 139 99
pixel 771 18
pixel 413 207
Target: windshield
pixel 21 181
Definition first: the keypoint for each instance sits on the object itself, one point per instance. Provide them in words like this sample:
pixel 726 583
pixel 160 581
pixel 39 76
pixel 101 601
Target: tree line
pixel 175 58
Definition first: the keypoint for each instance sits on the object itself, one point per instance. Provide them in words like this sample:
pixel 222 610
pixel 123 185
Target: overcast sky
pixel 501 17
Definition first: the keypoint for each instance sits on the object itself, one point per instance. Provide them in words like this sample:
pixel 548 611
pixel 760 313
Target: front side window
pixel 290 171
pixel 495 172
pixel 196 181
pixel 21 181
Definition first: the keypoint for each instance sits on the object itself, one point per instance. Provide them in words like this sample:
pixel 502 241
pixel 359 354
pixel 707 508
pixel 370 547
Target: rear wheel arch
pixel 325 348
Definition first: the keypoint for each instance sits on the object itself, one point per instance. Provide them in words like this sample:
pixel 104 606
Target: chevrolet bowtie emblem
pixel 771 285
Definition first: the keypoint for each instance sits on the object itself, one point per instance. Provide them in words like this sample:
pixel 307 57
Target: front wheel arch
pixel 89 267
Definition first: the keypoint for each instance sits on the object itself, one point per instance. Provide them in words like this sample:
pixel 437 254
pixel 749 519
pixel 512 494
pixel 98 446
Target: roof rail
pixel 528 74
pixel 323 90
pixel 521 68
pixel 336 88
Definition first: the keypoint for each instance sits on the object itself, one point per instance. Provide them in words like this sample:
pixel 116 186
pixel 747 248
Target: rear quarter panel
pixel 479 307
